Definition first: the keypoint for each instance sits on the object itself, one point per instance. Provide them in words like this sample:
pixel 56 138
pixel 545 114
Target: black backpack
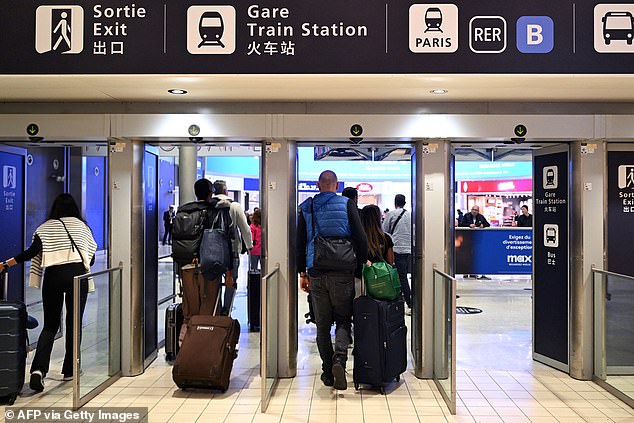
pixel 216 255
pixel 189 223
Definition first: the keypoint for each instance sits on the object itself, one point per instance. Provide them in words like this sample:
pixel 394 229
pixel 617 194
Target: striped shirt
pixel 57 248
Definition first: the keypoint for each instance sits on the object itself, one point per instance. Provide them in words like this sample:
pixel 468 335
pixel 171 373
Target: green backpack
pixel 381 281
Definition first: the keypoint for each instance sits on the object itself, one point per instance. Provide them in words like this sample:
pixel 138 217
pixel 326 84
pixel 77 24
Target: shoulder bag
pixel 91 281
pixel 331 253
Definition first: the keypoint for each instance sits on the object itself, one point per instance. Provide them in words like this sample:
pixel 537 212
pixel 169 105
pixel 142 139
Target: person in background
pixel 332 292
pixel 524 220
pixel 256 236
pixel 475 220
pixel 242 234
pixel 353 194
pixel 460 216
pixel 168 223
pixel 380 245
pixel 63 247
pixel 398 224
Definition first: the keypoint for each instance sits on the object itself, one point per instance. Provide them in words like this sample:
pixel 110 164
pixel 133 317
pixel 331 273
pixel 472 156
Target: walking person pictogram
pixel 64 31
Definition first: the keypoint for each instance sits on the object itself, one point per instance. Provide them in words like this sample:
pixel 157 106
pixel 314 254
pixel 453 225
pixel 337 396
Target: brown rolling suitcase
pixel 199 295
pixel 206 357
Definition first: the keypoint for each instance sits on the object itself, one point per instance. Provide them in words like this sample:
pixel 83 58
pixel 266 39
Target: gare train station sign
pixel 313 37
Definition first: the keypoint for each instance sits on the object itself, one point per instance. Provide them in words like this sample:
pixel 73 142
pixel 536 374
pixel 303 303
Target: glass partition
pixel 269 334
pixel 614 333
pixel 166 292
pixel 97 346
pixel 445 337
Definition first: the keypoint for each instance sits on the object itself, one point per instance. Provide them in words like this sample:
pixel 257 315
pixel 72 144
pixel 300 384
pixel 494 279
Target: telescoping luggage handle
pixel 233 297
pixel 5 284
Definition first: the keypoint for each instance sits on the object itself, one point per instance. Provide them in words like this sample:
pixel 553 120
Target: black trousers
pixel 57 288
pixel 167 235
pixel 332 294
pixel 403 266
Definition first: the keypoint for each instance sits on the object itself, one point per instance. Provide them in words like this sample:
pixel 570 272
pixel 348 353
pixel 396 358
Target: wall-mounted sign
pixel 551 254
pixel 32 129
pixel 620 211
pixel 520 131
pixel 194 130
pixel 364 187
pixel 499 251
pixel 356 36
pixel 513 185
pixel 311 186
pixel 356 130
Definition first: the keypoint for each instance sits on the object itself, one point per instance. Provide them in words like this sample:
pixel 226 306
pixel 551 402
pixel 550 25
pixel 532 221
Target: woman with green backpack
pixel 380 277
pixel 380 245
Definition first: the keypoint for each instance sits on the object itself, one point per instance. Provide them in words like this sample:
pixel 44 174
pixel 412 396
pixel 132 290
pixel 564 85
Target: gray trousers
pixel 332 295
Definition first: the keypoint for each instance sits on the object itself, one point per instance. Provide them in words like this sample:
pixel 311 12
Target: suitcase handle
pixel 233 297
pixel 5 284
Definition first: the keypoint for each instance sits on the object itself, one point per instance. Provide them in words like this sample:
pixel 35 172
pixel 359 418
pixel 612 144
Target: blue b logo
pixel 535 34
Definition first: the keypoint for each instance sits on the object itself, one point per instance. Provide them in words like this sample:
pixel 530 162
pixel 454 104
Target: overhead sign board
pixel 290 37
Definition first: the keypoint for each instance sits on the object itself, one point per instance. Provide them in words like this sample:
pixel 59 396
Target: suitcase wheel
pixel 398 378
pixel 169 357
pixel 12 399
pixel 356 386
pixel 382 390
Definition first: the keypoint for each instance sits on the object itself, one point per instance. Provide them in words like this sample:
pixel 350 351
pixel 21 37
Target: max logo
pixel 519 259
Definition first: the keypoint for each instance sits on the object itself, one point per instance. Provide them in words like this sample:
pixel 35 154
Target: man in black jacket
pixel 524 220
pixel 474 219
pixel 168 222
pixel 332 292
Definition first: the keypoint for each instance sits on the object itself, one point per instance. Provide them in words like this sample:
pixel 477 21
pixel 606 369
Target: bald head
pixel 327 181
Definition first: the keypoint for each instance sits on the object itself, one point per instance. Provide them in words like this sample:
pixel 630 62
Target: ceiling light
pixel 176 91
pixel 439 91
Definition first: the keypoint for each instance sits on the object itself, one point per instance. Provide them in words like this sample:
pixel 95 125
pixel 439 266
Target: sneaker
pixel 37 381
pixel 408 311
pixel 339 373
pixel 327 379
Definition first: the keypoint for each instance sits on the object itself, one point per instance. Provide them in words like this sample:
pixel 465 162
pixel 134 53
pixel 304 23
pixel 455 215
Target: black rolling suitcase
pixel 13 346
pixel 380 342
pixel 254 285
pixel 173 323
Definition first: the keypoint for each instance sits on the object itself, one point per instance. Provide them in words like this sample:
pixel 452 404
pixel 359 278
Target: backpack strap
pixel 396 222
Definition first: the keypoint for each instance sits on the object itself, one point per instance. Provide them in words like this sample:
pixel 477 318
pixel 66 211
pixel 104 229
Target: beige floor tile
pixel 297 409
pixel 508 411
pixel 294 418
pixel 482 411
pixel 543 419
pixel 515 419
pixel 267 418
pixel 184 418
pixel 211 418
pixel 332 418
pixel 430 411
pixel 245 409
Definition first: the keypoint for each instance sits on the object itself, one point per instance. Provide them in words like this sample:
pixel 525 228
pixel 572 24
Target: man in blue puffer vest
pixel 332 292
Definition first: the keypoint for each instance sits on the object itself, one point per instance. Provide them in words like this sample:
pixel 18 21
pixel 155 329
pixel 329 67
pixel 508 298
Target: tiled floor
pixel 524 392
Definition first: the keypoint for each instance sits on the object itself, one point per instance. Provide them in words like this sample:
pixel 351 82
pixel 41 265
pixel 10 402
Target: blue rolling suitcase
pixel 13 347
pixel 380 342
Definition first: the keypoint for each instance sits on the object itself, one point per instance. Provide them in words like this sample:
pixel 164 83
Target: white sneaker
pixel 408 311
